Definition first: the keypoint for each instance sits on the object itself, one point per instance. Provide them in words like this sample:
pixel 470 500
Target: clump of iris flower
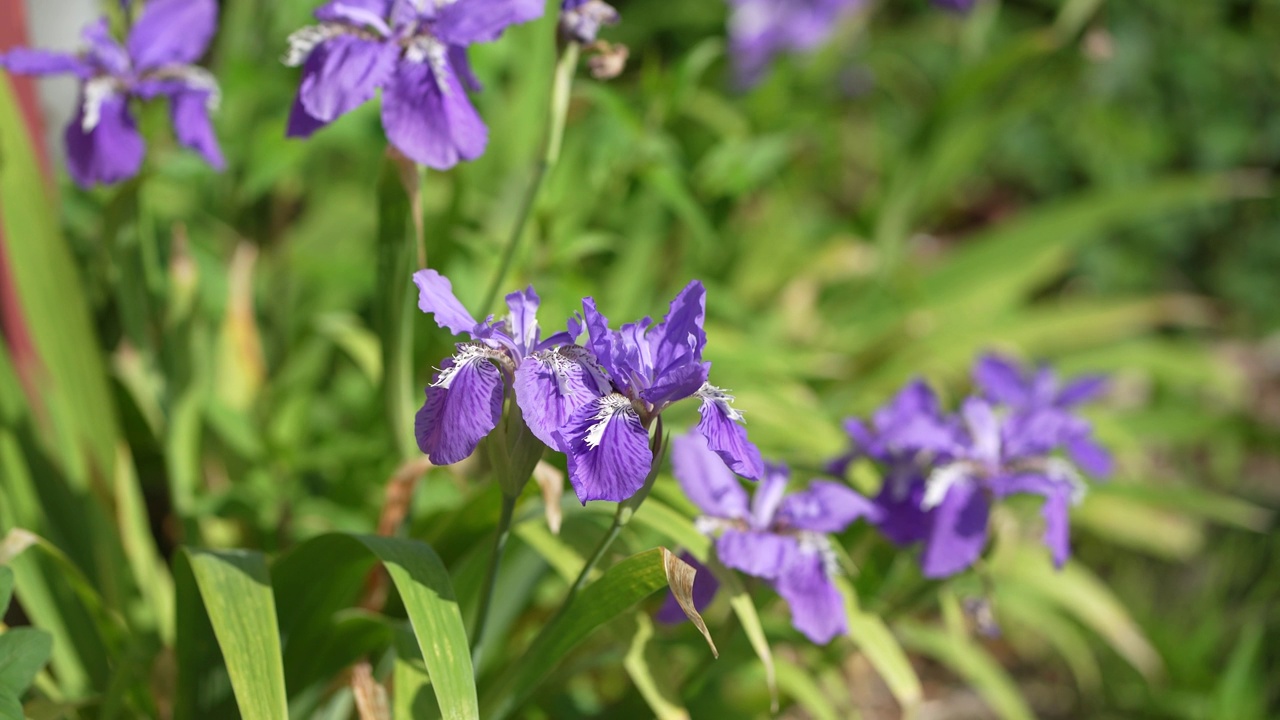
pixel 464 402
pixel 415 51
pixel 581 20
pixel 649 368
pixel 774 536
pixel 760 30
pixel 943 473
pixel 103 143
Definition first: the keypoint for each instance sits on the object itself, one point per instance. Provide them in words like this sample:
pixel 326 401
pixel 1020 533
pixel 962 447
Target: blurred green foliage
pixel 1082 181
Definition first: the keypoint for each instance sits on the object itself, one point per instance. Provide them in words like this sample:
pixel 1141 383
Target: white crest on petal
pixel 425 48
pixel 711 526
pixel 304 40
pixel 723 400
pixel 942 480
pixel 467 354
pixel 812 542
pixel 1062 470
pixel 611 406
pixel 96 92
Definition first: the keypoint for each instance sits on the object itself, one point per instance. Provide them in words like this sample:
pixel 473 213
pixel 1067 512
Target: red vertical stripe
pixel 13 33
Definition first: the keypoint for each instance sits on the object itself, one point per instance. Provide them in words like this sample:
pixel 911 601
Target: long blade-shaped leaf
pixel 236 593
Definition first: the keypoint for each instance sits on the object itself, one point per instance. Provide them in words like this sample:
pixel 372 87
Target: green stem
pixel 491 576
pixel 560 92
pixel 619 521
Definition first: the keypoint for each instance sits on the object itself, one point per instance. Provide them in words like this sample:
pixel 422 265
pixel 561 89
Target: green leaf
pixel 23 651
pixel 321 576
pixel 972 663
pixel 621 587
pixel 663 700
pixel 882 650
pixel 237 599
pixel 6 588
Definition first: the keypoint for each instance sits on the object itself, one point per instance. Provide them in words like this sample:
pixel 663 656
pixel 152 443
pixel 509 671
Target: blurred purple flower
pixel 416 52
pixel 581 20
pixel 705 586
pixel 649 368
pixel 759 30
pixel 103 143
pixel 464 402
pixel 956 5
pixel 780 538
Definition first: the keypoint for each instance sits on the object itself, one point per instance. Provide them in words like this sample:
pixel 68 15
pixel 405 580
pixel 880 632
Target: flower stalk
pixel 560 92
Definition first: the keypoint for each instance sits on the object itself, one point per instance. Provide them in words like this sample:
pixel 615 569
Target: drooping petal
pixel 471 21
pixel 705 586
pixel 554 384
pixel 109 152
pixel 428 117
pixel 301 124
pixel 705 479
pixel 768 495
pixel 343 73
pixel 1081 390
pixel 761 554
pixel 607 448
pixel 435 297
pixel 1057 525
pixel 523 319
pixel 27 61
pixel 462 66
pixel 721 425
pixel 902 518
pixel 826 507
pixel 1089 455
pixel 172 32
pixel 1001 380
pixel 192 126
pixel 463 405
pixel 817 610
pixel 959 531
pixel 370 14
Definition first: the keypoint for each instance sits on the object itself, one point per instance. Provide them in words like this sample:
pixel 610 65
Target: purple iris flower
pixel 416 52
pixel 759 30
pixel 464 402
pixel 649 367
pixel 956 5
pixel 103 143
pixel 778 537
pixel 581 20
pixel 1033 393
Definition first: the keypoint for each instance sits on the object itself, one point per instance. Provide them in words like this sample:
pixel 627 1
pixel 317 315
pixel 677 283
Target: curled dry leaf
pixel 551 481
pixel 680 576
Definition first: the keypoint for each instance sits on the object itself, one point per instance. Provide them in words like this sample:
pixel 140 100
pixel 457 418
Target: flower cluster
pixel 943 472
pixel 415 51
pixel 595 402
pixel 156 60
pixel 774 536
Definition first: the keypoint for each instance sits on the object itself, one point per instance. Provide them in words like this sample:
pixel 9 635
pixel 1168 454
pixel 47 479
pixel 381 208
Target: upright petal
pixel 984 430
pixel 428 117
pixel 471 21
pixel 172 32
pixel 523 319
pixel 959 531
pixel 109 152
pixel 102 51
pixel 1081 390
pixel 705 586
pixel 463 405
pixel 705 479
pixel 826 507
pixel 435 297
pixel 27 61
pixel 721 426
pixel 761 554
pixel 343 73
pixel 768 495
pixel 1001 380
pixel 192 126
pixel 679 340
pixel 817 610
pixel 607 448
pixel 601 342
pixel 554 384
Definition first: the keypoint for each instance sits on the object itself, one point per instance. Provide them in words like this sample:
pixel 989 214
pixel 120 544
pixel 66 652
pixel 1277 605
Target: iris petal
pixel 959 531
pixel 826 507
pixel 552 385
pixel 428 117
pixel 761 554
pixel 705 479
pixel 817 610
pixel 607 448
pixel 720 426
pixel 463 405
